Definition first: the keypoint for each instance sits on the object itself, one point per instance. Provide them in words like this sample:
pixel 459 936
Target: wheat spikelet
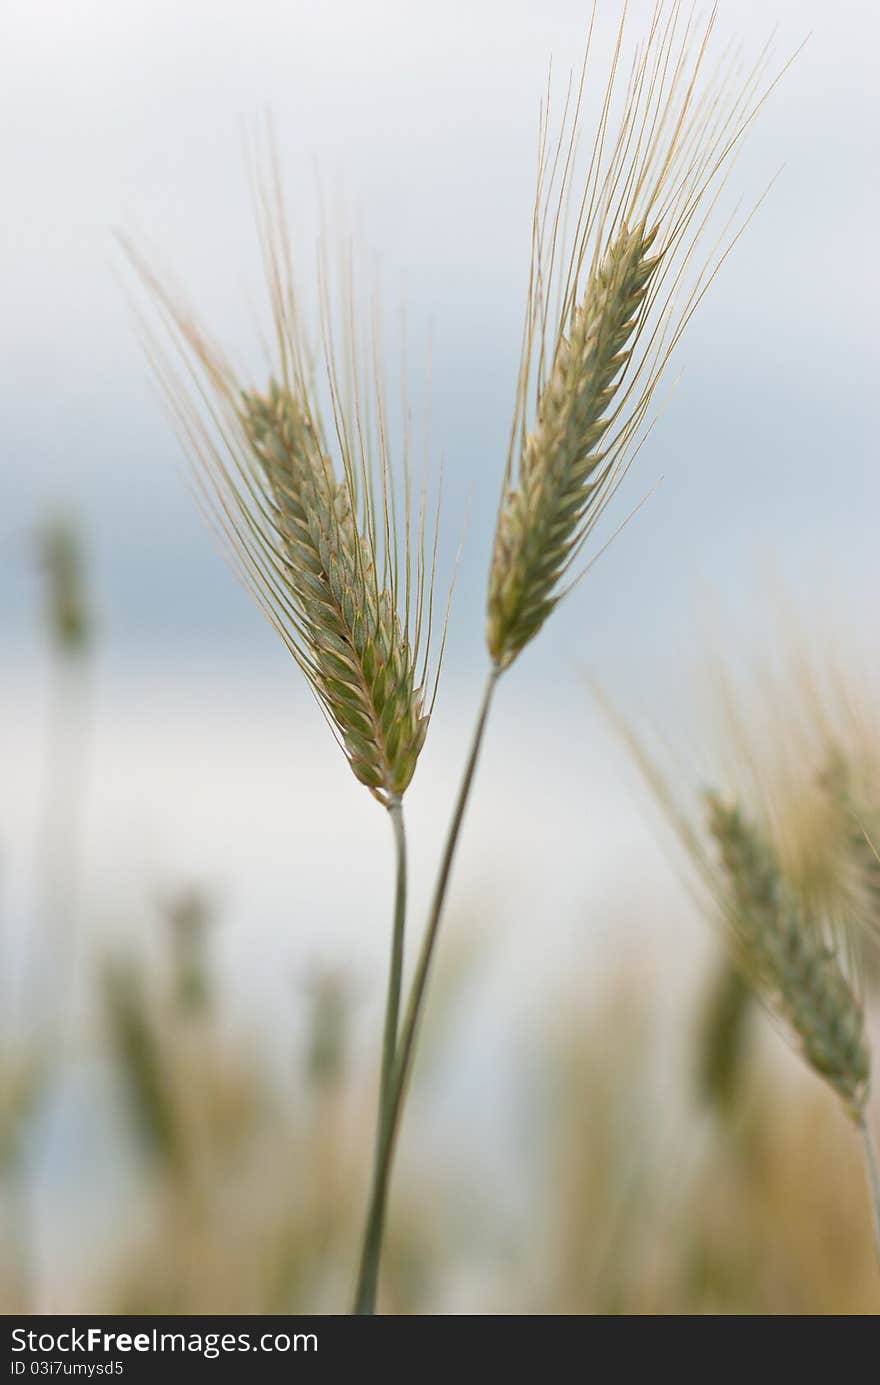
pixel 795 966
pixel 339 560
pixel 608 302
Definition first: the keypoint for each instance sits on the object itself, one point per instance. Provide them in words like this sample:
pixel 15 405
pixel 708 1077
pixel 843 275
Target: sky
pixel 129 114
pixel 423 119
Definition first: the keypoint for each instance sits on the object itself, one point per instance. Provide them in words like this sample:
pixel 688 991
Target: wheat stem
pixel 417 993
pixel 365 1297
pixel 395 975
pixel 371 1250
pixel 873 1175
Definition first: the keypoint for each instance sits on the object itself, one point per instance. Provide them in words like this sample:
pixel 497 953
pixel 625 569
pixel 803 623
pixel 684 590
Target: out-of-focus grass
pixel 247 1193
pixel 705 1175
pixel 749 1197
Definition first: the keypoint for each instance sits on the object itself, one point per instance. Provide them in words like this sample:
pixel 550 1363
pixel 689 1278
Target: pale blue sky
pixel 123 112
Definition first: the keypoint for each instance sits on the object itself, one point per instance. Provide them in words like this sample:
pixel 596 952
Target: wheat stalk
pixel 339 557
pixel 606 306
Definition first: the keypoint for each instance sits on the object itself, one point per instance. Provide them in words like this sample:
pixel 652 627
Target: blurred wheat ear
pixel 796 965
pixel 61 556
pixel 340 558
pixel 787 863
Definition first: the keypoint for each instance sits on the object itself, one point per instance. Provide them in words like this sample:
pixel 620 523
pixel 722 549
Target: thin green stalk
pixel 365 1297
pixel 395 973
pixel 420 981
pixel 873 1175
pixel 368 1274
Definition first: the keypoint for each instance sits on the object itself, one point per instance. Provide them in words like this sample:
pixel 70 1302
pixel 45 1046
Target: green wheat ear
pixel 359 660
pixel 795 965
pixel 616 272
pixel 561 469
pixel 337 554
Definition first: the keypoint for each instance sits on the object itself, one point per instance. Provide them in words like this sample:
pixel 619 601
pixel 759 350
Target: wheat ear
pixel 358 659
pixel 796 967
pixel 795 964
pixel 338 555
pixel 562 464
pixel 607 302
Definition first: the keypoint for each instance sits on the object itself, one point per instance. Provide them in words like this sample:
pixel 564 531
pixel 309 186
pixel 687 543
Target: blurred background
pixel 194 891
